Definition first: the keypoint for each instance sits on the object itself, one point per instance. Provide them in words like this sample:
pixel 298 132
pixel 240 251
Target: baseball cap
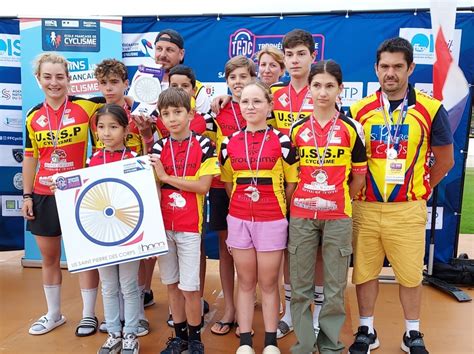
pixel 172 37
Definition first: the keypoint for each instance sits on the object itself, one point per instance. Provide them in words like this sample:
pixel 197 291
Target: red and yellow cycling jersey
pixel 103 156
pixel 201 124
pixel 323 191
pixel 277 164
pixel 289 106
pixel 69 127
pixel 425 125
pixel 181 210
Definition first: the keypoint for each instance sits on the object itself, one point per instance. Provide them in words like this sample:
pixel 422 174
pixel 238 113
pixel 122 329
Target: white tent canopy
pixel 88 8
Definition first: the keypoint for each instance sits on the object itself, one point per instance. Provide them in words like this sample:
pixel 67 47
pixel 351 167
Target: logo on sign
pixel 53 40
pixel 242 42
pixel 18 155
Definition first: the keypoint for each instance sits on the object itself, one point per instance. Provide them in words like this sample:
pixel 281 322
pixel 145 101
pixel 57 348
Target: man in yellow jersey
pixel 402 127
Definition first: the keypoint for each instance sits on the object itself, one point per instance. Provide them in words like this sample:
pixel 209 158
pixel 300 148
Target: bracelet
pixel 25 199
pixel 27 195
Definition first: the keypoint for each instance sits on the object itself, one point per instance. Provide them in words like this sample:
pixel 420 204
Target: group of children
pixel 267 162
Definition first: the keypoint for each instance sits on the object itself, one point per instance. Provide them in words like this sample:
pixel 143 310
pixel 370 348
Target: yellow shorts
pixel 395 230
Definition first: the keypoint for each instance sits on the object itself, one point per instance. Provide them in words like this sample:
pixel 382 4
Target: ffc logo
pixel 53 39
pixel 242 42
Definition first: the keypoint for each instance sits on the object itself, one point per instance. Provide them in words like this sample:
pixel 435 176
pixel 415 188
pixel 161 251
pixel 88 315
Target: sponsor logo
pixel 425 88
pixel 64 183
pixel 149 247
pixel 10 50
pixel 51 23
pixel 18 181
pixel 138 48
pixel 42 121
pixel 11 205
pixel 10 94
pixel 11 138
pixel 423 43
pixel 137 165
pixel 18 155
pixel 71 36
pixel 11 120
pixel 439 218
pixel 244 42
pixel 351 93
pixel 283 99
pixel 210 90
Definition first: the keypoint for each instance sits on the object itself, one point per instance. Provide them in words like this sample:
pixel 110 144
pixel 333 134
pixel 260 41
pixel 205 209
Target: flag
pixel 449 83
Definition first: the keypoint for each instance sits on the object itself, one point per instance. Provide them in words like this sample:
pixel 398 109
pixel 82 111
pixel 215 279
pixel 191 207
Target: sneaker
pixel 283 329
pixel 170 321
pixel 148 299
pixel 195 347
pixel 206 307
pixel 103 327
pixel 414 344
pixel 130 344
pixel 175 346
pixel 364 342
pixel 113 345
pixel 143 327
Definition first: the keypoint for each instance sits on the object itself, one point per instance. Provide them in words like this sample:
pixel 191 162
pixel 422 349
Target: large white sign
pixel 110 214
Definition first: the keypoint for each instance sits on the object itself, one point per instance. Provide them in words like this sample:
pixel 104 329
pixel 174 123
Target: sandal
pixel 91 323
pixel 237 331
pixel 224 328
pixel 283 329
pixel 46 324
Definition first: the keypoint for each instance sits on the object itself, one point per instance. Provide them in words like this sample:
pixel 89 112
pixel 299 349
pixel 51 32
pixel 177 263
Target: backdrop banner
pixel 84 43
pixel 352 41
pixel 11 140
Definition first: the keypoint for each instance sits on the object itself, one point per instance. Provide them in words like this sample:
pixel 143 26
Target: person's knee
pixel 247 284
pixel 191 295
pixel 268 285
pixel 51 260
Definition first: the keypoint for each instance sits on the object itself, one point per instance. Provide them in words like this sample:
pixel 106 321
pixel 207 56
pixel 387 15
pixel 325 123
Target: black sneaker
pixel 175 346
pixel 148 299
pixel 414 344
pixel 206 307
pixel 364 342
pixel 195 347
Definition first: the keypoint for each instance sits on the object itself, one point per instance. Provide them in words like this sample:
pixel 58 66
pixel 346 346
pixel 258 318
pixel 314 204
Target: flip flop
pixel 47 324
pixel 91 323
pixel 283 329
pixel 237 331
pixel 227 325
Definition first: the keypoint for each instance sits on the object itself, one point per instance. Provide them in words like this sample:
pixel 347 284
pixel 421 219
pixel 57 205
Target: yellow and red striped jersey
pixel 72 138
pixel 277 165
pixel 328 197
pixel 425 125
pixel 181 210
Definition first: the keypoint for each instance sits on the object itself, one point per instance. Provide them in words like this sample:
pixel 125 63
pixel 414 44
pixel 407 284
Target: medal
pixel 392 154
pixel 321 177
pixel 255 195
pixel 54 157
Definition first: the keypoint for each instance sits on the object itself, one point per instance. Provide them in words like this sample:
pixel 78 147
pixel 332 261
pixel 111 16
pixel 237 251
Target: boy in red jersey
pixel 185 164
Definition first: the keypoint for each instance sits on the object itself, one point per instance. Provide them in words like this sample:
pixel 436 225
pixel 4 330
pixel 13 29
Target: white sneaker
pixel 130 344
pixel 245 349
pixel 271 349
pixel 113 345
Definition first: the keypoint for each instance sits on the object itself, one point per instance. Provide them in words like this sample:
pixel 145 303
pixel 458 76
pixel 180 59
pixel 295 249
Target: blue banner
pixel 11 140
pixel 84 43
pixel 351 41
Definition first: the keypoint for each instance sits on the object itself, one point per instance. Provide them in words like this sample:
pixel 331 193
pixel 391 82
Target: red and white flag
pixel 449 83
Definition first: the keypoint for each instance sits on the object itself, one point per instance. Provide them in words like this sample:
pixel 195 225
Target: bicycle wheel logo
pixel 109 212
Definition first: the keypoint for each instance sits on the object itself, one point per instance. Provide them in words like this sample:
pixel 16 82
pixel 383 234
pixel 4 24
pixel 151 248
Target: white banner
pixel 110 214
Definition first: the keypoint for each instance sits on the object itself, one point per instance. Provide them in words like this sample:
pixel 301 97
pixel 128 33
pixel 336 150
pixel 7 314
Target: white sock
pixel 412 325
pixel 89 297
pixel 367 321
pixel 141 312
pixel 318 304
pixel 287 316
pixel 53 301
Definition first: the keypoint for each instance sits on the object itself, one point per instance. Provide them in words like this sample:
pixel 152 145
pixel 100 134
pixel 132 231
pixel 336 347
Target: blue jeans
pixel 122 277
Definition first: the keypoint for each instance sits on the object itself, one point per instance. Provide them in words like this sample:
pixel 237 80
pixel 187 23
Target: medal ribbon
pixel 255 177
pixel 123 154
pixel 185 159
pixel 328 138
pixel 55 138
pixel 395 139
pixel 235 116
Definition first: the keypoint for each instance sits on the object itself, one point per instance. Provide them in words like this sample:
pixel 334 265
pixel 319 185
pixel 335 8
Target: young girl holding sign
pixel 112 129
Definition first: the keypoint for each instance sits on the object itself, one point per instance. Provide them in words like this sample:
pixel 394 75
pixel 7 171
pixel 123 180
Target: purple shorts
pixel 264 236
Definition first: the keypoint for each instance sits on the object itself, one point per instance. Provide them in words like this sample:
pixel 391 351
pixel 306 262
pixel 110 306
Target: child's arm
pixel 200 186
pixel 289 190
pixel 228 188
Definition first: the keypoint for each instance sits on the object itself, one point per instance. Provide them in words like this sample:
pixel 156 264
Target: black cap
pixel 172 37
